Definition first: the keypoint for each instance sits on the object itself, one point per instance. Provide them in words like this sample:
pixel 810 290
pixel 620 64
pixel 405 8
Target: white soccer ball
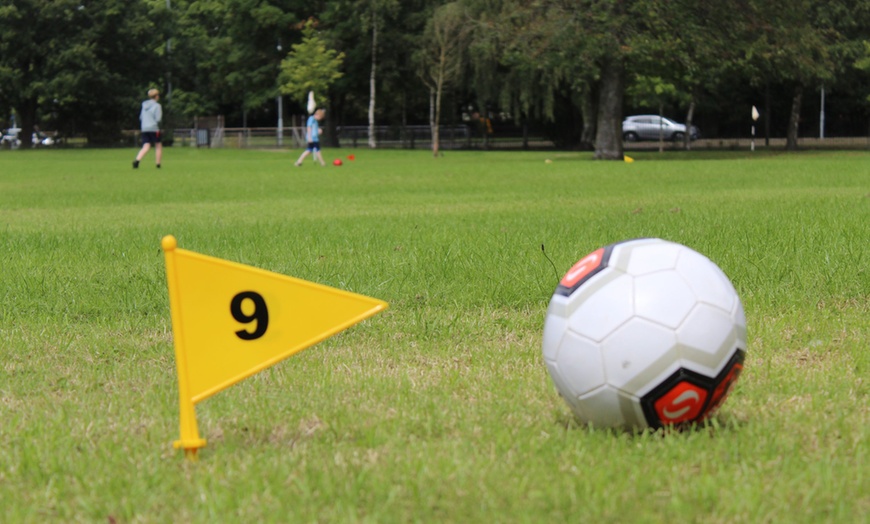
pixel 644 333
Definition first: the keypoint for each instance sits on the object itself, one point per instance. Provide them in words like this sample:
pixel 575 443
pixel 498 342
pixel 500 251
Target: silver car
pixel 650 127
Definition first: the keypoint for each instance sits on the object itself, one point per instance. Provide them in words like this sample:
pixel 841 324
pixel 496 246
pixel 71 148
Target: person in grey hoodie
pixel 150 116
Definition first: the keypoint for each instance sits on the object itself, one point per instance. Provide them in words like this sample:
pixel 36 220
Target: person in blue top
pixel 312 136
pixel 150 116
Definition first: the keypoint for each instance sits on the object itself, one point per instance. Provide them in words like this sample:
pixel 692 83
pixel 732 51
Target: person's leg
pixel 158 151
pixel 302 157
pixel 145 148
pixel 317 156
pixel 142 152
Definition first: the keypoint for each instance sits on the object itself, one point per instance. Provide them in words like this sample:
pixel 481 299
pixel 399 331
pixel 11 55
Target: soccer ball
pixel 644 333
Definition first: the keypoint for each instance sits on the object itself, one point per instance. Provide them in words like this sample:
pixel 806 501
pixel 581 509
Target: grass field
pixel 439 409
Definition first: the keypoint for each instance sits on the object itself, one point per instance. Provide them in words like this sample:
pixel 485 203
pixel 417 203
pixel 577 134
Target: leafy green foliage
pixel 310 66
pixel 863 62
pixel 654 91
pixel 83 67
pixel 67 63
pixel 400 25
pixel 226 55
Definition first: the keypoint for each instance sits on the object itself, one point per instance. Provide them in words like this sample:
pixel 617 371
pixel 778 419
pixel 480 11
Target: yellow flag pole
pixel 190 440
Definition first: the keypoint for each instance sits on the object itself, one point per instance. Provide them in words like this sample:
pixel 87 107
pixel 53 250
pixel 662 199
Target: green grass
pixel 440 409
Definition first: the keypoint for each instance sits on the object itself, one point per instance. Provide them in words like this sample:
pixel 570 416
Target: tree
pixel 376 16
pixel 654 91
pixel 229 51
pixel 374 87
pixel 83 67
pixel 310 66
pixel 789 47
pixel 680 46
pixel 197 61
pixel 850 19
pixel 86 64
pixel 551 44
pixel 529 69
pixel 440 58
pixel 486 50
pixel 863 62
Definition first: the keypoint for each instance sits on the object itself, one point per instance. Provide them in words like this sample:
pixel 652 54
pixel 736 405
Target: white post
pixel 280 121
pixel 168 52
pixel 280 132
pixel 755 116
pixel 822 116
pixel 372 89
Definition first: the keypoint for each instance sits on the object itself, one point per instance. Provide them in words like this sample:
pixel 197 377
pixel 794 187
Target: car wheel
pixel 631 136
pixel 678 137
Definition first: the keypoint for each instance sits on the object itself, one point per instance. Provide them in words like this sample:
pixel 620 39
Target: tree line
pixel 570 69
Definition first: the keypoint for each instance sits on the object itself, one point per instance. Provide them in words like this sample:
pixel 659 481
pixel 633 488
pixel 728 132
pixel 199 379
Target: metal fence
pixel 419 137
pixel 736 144
pixel 460 137
pixel 386 137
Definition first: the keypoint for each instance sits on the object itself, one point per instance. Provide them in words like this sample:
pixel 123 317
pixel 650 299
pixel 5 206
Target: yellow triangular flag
pixel 230 321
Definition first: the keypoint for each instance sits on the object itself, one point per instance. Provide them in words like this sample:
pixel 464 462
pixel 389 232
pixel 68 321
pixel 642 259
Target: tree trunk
pixel 331 121
pixel 687 140
pixel 27 115
pixel 433 121
pixel 436 138
pixel 608 138
pixel 588 111
pixel 661 128
pixel 767 114
pixel 791 135
pixel 372 140
pixel 525 133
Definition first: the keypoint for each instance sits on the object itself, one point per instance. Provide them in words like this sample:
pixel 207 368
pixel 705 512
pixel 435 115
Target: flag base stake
pixel 190 447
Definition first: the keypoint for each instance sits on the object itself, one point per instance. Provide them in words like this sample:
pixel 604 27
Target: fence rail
pixel 725 144
pixel 419 137
pixel 387 137
pixel 460 137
